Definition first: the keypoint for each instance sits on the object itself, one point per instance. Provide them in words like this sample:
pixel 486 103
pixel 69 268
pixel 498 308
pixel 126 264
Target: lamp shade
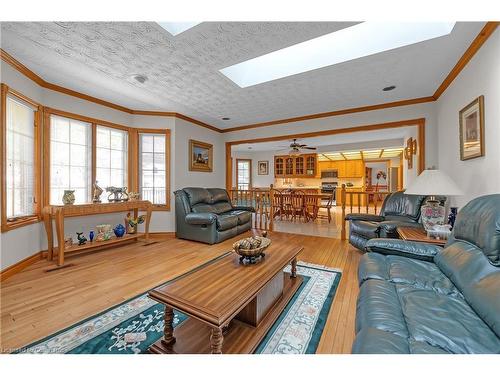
pixel 433 182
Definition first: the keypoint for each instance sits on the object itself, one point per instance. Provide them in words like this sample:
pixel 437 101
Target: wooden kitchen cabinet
pixel 301 166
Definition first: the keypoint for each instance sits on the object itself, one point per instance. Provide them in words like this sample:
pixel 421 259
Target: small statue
pixel 96 195
pixel 117 194
pixel 81 238
pixel 68 197
pixel 133 196
pixel 131 223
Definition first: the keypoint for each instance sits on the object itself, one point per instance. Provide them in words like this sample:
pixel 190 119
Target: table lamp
pixel 433 182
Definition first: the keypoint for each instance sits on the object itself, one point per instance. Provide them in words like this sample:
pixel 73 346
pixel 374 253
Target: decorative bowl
pixel 251 249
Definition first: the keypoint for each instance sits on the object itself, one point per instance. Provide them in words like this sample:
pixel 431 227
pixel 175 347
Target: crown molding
pixel 476 44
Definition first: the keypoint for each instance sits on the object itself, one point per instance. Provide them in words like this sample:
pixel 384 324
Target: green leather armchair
pixel 398 209
pixel 207 215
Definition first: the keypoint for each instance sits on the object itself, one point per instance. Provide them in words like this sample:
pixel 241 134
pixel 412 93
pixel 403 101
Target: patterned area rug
pixel 296 331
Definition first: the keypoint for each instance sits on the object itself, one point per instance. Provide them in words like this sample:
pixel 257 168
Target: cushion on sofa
pixel 222 207
pixel 226 221
pixel 400 204
pixel 243 216
pixel 366 229
pixel 476 277
pixel 401 270
pixel 218 195
pixel 197 195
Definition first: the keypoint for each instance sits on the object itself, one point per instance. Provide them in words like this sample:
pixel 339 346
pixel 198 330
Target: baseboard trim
pixel 26 262
pixel 21 265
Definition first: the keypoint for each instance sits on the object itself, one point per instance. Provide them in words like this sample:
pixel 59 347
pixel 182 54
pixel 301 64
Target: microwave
pixel 329 173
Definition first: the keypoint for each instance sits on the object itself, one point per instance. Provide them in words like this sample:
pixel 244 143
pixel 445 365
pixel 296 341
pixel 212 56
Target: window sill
pixel 21 222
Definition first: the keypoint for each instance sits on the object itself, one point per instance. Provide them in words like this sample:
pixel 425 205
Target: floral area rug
pixel 134 325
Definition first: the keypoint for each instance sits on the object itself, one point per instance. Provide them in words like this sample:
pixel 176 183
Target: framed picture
pixel 200 156
pixel 472 130
pixel 263 167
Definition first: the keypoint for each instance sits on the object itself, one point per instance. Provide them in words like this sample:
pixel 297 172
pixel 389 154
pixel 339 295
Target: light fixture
pixel 363 39
pixel 389 88
pixel 141 78
pixel 175 28
pixel 226 118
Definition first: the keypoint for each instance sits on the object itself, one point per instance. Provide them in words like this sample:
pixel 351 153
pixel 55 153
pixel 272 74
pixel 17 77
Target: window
pixel 153 167
pixel 111 157
pixel 70 159
pixel 20 160
pixel 244 173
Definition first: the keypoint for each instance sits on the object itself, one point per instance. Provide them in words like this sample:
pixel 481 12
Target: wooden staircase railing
pixel 363 203
pixel 260 200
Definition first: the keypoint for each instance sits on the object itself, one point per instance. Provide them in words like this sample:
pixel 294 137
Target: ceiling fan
pixel 295 147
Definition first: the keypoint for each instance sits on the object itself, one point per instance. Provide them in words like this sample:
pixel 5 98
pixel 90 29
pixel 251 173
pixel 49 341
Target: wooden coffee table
pixel 419 235
pixel 231 306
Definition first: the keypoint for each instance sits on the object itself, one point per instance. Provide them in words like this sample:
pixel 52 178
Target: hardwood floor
pixel 36 303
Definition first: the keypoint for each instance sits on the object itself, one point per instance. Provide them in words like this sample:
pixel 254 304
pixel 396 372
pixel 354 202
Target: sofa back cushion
pixel 478 223
pixel 208 200
pixel 399 204
pixel 475 277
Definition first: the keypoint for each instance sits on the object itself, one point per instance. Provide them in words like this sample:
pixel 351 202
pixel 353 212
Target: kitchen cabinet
pixel 349 168
pixel 298 166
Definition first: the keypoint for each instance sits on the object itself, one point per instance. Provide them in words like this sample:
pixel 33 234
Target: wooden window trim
pixel 167 133
pixel 250 182
pixel 18 222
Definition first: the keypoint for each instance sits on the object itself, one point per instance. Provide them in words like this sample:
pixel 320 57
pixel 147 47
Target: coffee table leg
pixel 216 339
pixel 294 268
pixel 168 331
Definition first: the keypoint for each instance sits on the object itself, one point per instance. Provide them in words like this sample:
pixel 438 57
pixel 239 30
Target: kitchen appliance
pixel 329 188
pixel 329 173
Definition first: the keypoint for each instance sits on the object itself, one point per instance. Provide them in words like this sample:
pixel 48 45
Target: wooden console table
pixel 419 235
pixel 58 213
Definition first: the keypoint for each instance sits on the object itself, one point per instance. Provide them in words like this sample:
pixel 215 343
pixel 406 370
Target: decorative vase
pixel 452 216
pixel 68 197
pixel 91 235
pixel 119 230
pixel 432 214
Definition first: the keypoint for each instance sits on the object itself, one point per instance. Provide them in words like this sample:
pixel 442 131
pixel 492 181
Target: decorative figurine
pixel 452 216
pixel 133 196
pixel 119 230
pixel 91 235
pixel 68 242
pixel 81 238
pixel 117 194
pixel 104 232
pixel 132 223
pixel 68 197
pixel 96 194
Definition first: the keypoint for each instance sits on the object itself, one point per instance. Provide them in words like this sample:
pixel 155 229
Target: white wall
pixel 481 76
pixel 257 180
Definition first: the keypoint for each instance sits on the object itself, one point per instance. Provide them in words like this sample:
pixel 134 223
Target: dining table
pixel 310 200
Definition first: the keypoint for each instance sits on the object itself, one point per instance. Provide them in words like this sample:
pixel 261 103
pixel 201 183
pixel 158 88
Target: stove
pixel 329 188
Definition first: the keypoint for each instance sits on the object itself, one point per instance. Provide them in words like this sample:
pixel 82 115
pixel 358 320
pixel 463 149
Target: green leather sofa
pixel 207 215
pixel 420 298
pixel 398 209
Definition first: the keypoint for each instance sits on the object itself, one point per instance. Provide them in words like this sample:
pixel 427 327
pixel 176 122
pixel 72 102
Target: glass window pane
pixel 147 161
pixel 153 168
pixel 79 132
pixel 102 137
pixel 102 176
pixel 118 140
pixel 146 143
pixel 20 158
pixel 159 143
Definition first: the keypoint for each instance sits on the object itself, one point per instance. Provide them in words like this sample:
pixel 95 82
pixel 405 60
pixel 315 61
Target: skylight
pixel 176 28
pixel 363 39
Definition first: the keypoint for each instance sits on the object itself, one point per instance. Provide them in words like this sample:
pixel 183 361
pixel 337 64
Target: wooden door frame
pixel 419 123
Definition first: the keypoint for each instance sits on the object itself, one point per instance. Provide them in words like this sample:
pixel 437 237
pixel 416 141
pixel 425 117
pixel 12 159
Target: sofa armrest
pixel 409 249
pixel 364 217
pixel 391 226
pixel 201 218
pixel 244 208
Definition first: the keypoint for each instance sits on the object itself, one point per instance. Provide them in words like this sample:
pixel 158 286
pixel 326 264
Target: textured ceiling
pixel 99 59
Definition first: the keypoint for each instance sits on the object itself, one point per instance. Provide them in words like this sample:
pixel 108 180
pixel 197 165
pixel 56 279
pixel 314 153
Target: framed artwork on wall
pixel 263 167
pixel 200 156
pixel 472 130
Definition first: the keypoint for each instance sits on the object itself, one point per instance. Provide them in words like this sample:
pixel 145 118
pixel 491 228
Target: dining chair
pixel 311 204
pixel 287 204
pixel 328 206
pixel 298 208
pixel 277 204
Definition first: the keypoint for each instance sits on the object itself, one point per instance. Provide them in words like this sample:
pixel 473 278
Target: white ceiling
pixel 99 59
pixel 336 143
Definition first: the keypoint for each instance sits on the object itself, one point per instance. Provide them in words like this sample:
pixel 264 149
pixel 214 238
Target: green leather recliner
pixel 207 215
pixel 420 298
